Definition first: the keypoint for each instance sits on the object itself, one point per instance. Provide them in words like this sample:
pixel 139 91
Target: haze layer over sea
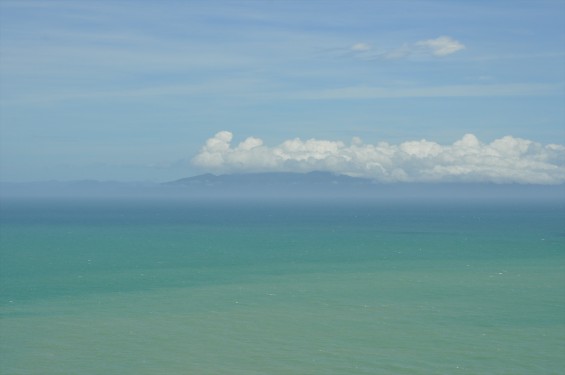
pixel 302 286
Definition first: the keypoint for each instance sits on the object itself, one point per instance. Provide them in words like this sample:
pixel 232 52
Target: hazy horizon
pixel 278 185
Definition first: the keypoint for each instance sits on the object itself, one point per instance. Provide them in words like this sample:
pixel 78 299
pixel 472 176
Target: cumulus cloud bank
pixel 505 160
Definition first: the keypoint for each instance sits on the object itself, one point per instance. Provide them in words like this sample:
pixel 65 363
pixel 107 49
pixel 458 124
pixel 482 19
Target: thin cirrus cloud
pixel 438 47
pixel 505 160
pixel 468 90
pixel 441 46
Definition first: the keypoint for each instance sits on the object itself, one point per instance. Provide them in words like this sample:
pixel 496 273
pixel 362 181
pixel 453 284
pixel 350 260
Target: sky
pixel 390 90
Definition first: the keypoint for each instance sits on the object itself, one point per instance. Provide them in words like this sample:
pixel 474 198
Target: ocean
pixel 180 286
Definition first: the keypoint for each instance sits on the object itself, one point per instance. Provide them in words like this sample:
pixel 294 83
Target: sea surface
pixel 249 287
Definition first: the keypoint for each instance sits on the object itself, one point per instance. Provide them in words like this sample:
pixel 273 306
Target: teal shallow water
pixel 296 288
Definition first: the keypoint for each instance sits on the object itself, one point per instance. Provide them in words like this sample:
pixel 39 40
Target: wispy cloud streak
pixel 468 90
pixel 439 47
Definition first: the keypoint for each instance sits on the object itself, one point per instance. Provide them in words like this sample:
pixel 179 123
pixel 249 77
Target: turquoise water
pixel 183 287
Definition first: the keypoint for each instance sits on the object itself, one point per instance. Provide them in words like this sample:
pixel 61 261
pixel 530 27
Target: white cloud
pixel 438 47
pixel 360 47
pixel 505 160
pixel 441 46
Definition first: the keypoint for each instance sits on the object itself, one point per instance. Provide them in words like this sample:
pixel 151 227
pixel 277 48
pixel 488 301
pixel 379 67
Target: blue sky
pixel 132 90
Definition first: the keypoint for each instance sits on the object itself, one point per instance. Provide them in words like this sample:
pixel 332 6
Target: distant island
pixel 317 184
pixel 274 180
